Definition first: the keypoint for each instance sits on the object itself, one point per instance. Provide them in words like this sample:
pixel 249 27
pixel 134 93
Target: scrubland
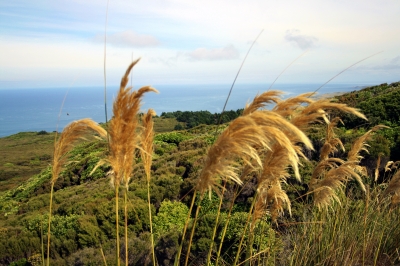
pixel 285 181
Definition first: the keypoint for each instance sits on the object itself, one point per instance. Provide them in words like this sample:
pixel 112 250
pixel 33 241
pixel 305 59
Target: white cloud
pixel 128 39
pixel 304 42
pixel 228 52
pixel 395 60
pixel 393 64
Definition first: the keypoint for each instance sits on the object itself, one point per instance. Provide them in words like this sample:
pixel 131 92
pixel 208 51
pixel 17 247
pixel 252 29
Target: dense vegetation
pixel 192 119
pixel 356 228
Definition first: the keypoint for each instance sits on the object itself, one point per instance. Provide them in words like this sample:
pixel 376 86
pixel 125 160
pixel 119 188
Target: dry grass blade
pixel 69 136
pixel 71 133
pixel 316 110
pixel 330 181
pixel 270 195
pixel 378 164
pixel 146 154
pixel 123 129
pixel 388 166
pixel 360 144
pixel 288 107
pixel 331 142
pixel 394 185
pixel 239 140
pixel 124 137
pixel 260 101
pixel 277 198
pixel 147 141
pixel 267 118
pixel 325 189
pixel 282 144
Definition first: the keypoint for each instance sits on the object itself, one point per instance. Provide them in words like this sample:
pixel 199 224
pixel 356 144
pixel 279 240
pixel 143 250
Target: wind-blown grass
pixel 69 136
pixel 261 150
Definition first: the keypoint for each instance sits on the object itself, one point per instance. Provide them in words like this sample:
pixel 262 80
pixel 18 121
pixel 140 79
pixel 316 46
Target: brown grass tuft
pixel 147 141
pixel 123 129
pixel 260 101
pixel 71 133
pixel 394 187
pixel 361 145
pixel 287 108
pixel 315 111
pixel 239 140
pixel 331 142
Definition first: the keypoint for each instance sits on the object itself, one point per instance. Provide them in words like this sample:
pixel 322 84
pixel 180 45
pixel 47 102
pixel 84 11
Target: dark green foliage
pixel 381 105
pixel 195 118
pixel 167 247
pixel 171 137
pixel 17 244
pixel 170 218
pixel 42 132
pixel 178 127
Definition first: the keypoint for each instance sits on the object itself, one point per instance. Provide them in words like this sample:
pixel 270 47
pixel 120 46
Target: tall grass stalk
pixel 124 140
pixel 238 254
pixel 146 154
pixel 216 224
pixel 126 224
pixel 41 242
pixel 178 254
pixel 225 228
pixel 198 207
pixel 102 255
pixel 117 248
pixel 71 133
pixel 104 66
pixel 340 240
pixel 234 81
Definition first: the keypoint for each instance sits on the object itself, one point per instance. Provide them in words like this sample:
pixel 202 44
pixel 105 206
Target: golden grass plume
pixel 123 129
pixel 71 133
pixel 147 140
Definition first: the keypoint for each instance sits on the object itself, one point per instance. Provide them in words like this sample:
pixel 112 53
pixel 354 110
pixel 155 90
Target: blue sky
pixel 60 43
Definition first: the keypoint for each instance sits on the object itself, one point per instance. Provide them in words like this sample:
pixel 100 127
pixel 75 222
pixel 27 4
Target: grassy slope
pixel 83 203
pixel 23 155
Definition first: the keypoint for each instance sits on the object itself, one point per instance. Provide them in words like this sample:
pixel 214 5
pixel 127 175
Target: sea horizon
pixel 37 109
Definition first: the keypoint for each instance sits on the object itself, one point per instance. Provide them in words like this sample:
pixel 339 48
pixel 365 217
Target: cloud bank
pixel 304 42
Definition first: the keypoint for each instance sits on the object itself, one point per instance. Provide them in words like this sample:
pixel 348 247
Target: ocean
pixel 39 109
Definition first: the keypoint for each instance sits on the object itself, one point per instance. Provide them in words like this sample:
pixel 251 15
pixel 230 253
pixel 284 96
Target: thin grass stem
pixel 102 255
pixel 151 223
pixel 41 241
pixel 117 225
pixel 234 81
pixel 216 224
pixel 178 254
pixel 198 207
pixel 49 227
pixel 126 224
pixel 245 229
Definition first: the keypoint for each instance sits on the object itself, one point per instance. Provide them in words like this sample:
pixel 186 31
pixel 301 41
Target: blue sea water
pixel 39 109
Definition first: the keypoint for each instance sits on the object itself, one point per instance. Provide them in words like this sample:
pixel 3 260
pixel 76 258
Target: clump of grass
pixel 71 133
pixel 331 173
pixel 124 138
pixel 268 144
pixel 146 154
pixel 393 189
pixel 339 236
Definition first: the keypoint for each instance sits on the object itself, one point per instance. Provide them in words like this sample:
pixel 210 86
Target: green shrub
pixel 170 217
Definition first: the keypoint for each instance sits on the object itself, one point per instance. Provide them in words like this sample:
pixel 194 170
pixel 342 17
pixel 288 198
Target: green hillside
pixel 357 228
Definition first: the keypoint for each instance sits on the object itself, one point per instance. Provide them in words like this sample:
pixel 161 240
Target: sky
pixel 60 43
